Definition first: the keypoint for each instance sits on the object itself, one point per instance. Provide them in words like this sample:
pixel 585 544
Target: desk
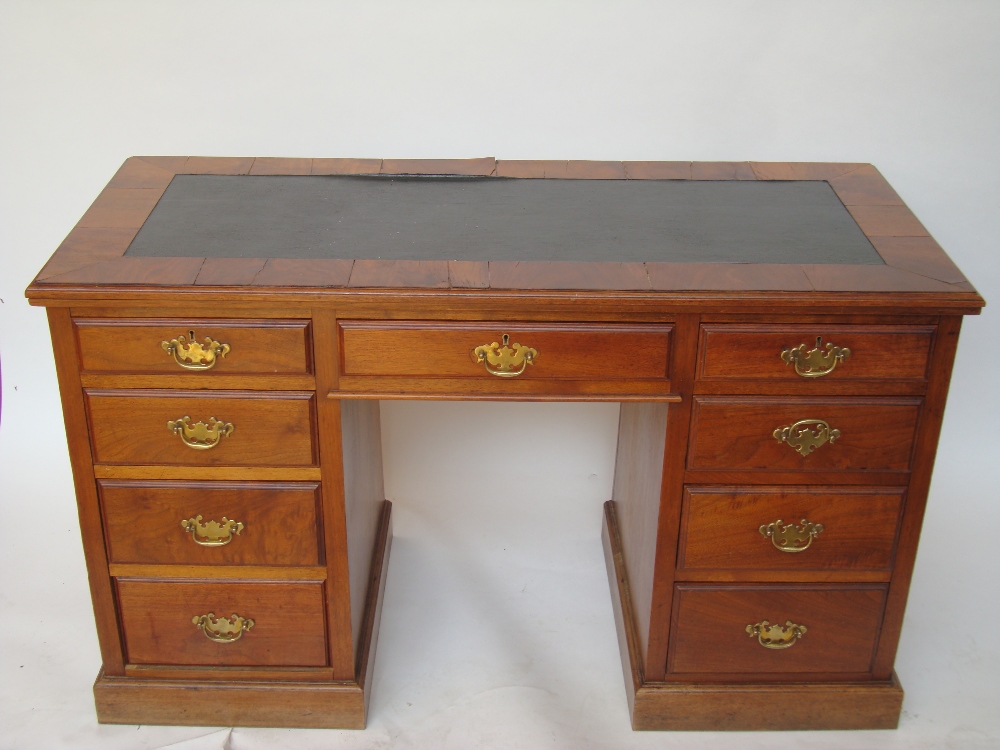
pixel 780 338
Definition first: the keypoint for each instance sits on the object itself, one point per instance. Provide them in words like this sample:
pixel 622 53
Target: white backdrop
pixel 497 628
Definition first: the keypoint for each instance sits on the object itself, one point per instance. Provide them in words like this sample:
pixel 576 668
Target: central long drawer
pixel 511 358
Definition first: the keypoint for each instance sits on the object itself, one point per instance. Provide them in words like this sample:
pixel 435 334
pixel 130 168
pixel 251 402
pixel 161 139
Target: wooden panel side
pixel 373 604
pixel 331 455
pixel 78 437
pixel 642 431
pixel 364 497
pixel 621 605
pixel 924 451
pixel 684 352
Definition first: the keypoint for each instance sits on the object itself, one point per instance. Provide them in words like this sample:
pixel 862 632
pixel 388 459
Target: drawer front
pixel 268 428
pixel 789 528
pixel 449 350
pixel 711 637
pixel 211 523
pixel 790 352
pixel 850 434
pixel 165 346
pixel 288 625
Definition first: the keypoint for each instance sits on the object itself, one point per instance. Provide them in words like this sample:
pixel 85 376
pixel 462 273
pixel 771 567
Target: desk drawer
pixel 158 522
pixel 782 352
pixel 288 623
pixel 841 626
pixel 150 345
pixel 268 428
pixel 804 528
pixel 803 434
pixel 480 352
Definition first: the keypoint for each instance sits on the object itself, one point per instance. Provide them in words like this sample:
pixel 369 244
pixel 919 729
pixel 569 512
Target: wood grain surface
pixel 270 428
pixel 134 345
pixel 142 522
pixel 288 620
pixel 737 433
pixel 564 351
pixel 720 528
pixel 753 352
pixel 710 624
pixel 638 481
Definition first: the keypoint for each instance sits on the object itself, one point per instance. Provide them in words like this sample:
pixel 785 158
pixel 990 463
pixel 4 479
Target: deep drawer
pixel 711 629
pixel 789 528
pixel 502 357
pixel 165 346
pixel 288 624
pixel 211 523
pixel 850 434
pixel 792 352
pixel 268 428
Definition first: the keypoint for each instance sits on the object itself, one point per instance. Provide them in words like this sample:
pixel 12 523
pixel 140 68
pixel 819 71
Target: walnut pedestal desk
pixel 780 338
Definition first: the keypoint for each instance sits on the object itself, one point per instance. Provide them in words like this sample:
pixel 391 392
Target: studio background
pixel 497 629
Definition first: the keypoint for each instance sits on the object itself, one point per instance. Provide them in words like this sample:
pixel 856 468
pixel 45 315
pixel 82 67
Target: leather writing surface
pixel 495 219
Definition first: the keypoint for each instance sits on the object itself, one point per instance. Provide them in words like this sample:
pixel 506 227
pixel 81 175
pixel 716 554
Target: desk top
pixel 269 225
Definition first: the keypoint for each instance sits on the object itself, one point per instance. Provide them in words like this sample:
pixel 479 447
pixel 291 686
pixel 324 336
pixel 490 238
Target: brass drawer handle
pixel 776 636
pixel 191 355
pixel 213 533
pixel 815 363
pixel 802 438
pixel 788 537
pixel 221 630
pixel 199 435
pixel 503 361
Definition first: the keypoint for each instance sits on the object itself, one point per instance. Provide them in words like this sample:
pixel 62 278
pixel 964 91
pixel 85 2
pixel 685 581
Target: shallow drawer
pixel 193 427
pixel 813 352
pixel 219 346
pixel 802 434
pixel 159 623
pixel 216 523
pixel 789 528
pixel 838 628
pixel 504 355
